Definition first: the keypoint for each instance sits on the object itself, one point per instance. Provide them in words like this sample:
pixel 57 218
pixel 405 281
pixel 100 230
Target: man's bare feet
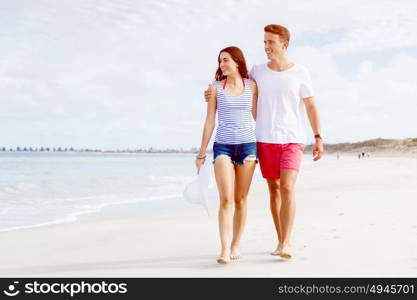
pixel 235 254
pixel 286 251
pixel 277 251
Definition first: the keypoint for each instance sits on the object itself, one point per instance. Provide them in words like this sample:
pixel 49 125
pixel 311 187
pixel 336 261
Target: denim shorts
pixel 236 152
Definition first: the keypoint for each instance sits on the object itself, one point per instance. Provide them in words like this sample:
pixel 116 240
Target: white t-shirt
pixel 281 116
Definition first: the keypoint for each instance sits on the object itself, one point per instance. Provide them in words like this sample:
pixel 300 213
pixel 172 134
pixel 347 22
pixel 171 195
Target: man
pixel 285 95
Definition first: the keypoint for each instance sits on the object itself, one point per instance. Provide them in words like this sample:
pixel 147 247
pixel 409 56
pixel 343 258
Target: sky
pixel 125 74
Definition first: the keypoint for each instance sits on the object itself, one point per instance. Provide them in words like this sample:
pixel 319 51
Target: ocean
pixel 38 189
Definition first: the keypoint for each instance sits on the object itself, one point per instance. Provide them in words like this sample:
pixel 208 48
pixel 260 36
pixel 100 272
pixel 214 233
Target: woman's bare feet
pixel 234 254
pixel 223 260
pixel 224 257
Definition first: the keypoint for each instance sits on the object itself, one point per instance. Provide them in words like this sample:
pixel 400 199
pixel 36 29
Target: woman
pixel 234 149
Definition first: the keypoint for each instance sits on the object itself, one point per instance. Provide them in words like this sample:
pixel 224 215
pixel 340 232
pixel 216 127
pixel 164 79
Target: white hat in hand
pixel 196 192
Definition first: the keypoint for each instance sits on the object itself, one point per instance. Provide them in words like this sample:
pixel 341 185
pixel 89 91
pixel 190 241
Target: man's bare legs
pixel 287 214
pixel 275 206
pixel 243 179
pixel 282 204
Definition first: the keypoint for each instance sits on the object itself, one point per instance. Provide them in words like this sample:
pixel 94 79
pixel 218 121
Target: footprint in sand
pixel 336 237
pixel 333 230
pixel 340 214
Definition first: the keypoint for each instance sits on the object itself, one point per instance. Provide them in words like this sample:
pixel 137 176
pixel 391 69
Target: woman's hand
pixel 198 163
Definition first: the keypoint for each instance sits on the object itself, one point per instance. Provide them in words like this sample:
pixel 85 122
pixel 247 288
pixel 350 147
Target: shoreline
pixel 382 153
pixel 346 213
pixel 117 210
pixel 167 203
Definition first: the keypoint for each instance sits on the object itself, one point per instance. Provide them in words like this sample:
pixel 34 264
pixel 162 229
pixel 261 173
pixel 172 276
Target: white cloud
pixel 131 73
pixel 378 102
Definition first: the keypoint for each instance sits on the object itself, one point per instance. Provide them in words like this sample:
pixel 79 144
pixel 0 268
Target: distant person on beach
pixel 234 97
pixel 359 155
pixel 285 97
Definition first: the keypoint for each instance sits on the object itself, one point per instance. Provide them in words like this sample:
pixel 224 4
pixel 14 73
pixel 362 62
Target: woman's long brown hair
pixel 238 58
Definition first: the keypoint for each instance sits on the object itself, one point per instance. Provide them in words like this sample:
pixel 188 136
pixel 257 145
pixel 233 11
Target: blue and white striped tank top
pixel 235 123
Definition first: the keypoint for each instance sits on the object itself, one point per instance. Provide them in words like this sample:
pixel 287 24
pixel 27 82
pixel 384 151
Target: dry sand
pixel 355 218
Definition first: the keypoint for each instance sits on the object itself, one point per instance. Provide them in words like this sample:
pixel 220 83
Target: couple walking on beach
pixel 261 116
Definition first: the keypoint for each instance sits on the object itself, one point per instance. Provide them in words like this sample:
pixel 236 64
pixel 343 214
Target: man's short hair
pixel 283 32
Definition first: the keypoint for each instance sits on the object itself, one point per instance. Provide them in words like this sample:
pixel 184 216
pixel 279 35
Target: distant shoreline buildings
pixel 71 149
pixel 374 145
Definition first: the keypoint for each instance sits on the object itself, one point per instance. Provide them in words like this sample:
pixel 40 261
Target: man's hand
pixel 209 92
pixel 318 149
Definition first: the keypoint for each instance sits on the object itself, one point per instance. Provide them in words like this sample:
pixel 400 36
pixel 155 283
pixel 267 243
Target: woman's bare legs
pixel 243 179
pixel 225 177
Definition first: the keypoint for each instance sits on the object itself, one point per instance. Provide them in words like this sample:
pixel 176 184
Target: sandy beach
pixel 355 218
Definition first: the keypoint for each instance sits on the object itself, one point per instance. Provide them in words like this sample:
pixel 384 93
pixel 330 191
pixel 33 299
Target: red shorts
pixel 276 157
